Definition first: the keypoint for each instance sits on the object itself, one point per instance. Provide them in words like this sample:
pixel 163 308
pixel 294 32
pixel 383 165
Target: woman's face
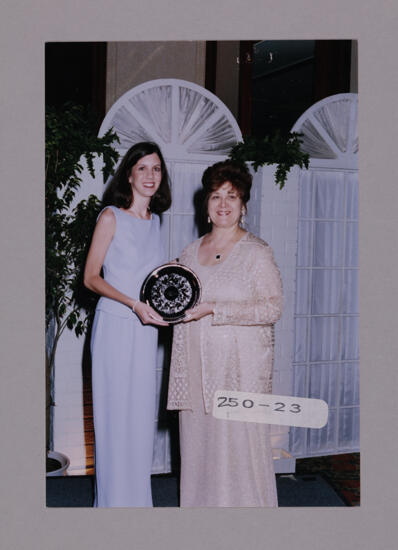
pixel 225 206
pixel 146 175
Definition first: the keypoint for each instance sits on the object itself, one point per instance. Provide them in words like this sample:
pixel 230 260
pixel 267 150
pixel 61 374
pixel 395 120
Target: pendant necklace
pixel 218 256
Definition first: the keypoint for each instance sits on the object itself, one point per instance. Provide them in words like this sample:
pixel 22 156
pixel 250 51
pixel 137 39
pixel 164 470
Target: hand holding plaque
pixel 171 289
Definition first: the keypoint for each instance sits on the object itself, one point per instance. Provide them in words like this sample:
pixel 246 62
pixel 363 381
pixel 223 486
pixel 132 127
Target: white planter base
pixel 64 461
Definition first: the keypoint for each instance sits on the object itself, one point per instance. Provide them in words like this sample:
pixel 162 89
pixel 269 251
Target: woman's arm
pixel 266 306
pixel 199 311
pixel 102 237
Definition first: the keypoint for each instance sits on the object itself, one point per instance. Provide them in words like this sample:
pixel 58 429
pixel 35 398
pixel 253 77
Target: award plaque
pixel 171 289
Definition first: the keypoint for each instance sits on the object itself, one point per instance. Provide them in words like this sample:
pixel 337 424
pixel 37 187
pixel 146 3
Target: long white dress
pixel 123 370
pixel 227 463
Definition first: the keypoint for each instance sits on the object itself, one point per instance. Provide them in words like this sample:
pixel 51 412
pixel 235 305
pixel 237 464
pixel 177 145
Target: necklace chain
pixel 218 255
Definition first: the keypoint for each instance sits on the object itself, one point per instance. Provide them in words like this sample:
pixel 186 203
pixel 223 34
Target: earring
pixel 242 217
pixel 208 219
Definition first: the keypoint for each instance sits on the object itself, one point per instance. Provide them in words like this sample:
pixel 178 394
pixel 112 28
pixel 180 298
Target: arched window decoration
pixel 187 121
pixel 330 133
pixel 326 355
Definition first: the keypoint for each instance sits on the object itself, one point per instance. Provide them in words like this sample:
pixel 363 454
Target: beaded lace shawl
pixel 237 341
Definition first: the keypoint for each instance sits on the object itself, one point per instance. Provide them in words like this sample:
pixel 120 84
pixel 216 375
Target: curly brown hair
pixel 216 175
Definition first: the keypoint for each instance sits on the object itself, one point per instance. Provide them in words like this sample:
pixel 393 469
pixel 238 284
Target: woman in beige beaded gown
pixel 226 343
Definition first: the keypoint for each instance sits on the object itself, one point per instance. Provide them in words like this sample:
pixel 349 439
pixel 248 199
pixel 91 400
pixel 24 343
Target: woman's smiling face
pixel 146 175
pixel 225 206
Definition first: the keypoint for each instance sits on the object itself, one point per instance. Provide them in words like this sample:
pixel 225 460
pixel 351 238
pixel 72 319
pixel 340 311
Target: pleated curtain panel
pixel 326 354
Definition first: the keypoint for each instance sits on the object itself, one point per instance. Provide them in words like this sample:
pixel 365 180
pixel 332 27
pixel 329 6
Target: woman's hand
pixel 199 311
pixel 148 315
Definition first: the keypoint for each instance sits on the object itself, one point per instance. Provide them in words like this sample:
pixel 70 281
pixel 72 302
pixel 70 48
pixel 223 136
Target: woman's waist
pixel 127 282
pixel 252 338
pixel 130 272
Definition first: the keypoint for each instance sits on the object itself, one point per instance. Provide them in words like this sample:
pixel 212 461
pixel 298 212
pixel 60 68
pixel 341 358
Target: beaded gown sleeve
pixel 237 341
pixel 265 307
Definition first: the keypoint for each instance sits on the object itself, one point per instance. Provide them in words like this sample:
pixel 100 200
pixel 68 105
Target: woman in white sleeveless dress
pixel 126 245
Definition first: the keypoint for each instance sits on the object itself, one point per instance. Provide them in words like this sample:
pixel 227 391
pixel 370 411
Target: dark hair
pixel 119 192
pixel 236 173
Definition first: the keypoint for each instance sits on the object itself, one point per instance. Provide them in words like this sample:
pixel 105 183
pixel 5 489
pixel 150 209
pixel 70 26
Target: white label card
pixel 267 408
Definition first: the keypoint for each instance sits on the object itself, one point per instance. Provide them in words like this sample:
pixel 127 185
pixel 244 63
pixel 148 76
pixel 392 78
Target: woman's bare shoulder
pixel 107 216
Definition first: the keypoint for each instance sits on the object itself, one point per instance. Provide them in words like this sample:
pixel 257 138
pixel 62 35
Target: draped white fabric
pixel 314 144
pixel 129 130
pixel 217 139
pixel 154 105
pixel 326 355
pixel 173 113
pixel 327 131
pixel 202 125
pixel 194 111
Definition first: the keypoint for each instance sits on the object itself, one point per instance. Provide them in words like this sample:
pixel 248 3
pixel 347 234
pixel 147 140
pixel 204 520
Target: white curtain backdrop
pixel 326 353
pixel 326 356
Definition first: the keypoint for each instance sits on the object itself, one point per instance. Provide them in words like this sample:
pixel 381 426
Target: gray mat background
pixel 24 27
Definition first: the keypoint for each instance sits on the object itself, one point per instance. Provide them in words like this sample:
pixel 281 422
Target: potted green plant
pixel 69 139
pixel 284 151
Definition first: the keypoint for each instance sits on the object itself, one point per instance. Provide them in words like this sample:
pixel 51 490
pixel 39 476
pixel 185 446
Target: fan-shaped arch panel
pixel 329 130
pixel 187 121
